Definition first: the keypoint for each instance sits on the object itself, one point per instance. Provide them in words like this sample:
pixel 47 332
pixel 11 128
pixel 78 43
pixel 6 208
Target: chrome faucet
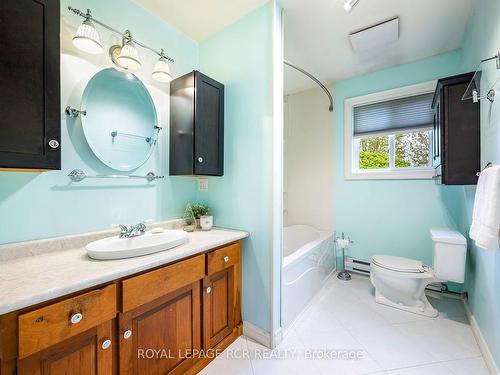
pixel 132 230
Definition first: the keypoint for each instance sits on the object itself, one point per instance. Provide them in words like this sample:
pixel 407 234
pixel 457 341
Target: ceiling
pixel 200 18
pixel 316 35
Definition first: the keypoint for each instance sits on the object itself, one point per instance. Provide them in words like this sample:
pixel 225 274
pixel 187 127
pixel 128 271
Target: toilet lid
pixel 398 263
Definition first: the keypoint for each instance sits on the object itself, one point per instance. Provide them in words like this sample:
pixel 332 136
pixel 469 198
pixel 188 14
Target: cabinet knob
pixel 209 290
pixel 226 259
pixel 53 143
pixel 76 318
pixel 200 160
pixel 127 334
pixel 106 344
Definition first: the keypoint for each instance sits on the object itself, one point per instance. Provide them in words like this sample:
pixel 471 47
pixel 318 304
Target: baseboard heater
pixel 363 267
pixel 357 265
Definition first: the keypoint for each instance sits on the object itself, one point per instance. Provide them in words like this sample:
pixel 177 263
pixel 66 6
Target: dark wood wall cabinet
pixel 457 141
pixel 30 102
pixel 196 126
pixel 161 321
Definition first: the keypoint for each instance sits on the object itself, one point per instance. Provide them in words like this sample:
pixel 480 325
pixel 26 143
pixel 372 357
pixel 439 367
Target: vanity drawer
pixel 49 325
pixel 223 258
pixel 149 286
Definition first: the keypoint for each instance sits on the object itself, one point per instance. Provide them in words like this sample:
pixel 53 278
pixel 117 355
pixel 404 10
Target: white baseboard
pixel 483 346
pixel 257 334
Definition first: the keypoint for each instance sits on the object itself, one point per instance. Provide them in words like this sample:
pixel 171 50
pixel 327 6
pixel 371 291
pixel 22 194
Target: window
pixel 388 135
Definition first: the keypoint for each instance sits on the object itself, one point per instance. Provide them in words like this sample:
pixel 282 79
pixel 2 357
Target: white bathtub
pixel 308 261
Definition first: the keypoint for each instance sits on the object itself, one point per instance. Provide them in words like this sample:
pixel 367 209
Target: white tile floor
pixel 345 318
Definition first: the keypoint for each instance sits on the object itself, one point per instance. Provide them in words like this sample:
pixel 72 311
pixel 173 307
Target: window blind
pixel 413 112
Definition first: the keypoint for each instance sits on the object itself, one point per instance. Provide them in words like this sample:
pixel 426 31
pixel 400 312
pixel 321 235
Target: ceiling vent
pixel 377 36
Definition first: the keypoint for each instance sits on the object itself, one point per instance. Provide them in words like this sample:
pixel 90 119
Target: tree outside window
pixel 410 150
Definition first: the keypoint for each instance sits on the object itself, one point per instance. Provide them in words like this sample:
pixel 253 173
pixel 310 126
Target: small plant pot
pixel 206 222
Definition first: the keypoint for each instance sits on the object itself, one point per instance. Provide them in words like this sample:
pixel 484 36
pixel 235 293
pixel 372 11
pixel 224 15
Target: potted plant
pixel 200 212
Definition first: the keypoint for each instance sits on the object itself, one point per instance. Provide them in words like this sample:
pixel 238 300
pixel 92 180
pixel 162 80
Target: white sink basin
pixel 148 243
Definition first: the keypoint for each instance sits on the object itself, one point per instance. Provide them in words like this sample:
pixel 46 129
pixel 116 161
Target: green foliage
pixel 199 209
pixel 375 144
pixel 401 163
pixel 373 160
pixel 374 153
pixel 411 150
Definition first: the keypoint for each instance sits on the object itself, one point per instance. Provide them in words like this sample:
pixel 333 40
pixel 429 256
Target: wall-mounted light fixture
pixel 161 71
pixel 350 4
pixel 125 56
pixel 129 57
pixel 87 37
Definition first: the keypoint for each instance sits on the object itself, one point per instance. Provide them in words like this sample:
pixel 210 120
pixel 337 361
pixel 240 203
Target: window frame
pixel 351 144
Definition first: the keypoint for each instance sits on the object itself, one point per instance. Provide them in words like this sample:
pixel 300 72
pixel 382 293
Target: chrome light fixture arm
pixel 125 35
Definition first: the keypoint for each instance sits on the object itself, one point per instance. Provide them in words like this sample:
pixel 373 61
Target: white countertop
pixel 29 280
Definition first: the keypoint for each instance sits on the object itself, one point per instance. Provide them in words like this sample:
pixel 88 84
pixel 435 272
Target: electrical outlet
pixel 203 184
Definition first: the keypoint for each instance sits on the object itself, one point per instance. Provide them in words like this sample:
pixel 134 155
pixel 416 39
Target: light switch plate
pixel 203 184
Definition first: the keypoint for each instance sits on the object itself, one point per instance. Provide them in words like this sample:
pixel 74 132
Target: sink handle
pixel 124 230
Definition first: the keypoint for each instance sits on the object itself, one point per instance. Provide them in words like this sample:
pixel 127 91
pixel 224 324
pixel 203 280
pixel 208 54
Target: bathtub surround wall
pixel 308 261
pixel 41 205
pixel 240 57
pixel 392 217
pixel 309 160
pixel 483 276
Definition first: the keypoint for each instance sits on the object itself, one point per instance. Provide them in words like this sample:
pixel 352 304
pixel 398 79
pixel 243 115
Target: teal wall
pixel 483 278
pixel 392 216
pixel 40 205
pixel 240 56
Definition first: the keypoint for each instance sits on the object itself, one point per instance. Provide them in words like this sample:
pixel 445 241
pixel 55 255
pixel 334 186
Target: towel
pixel 485 228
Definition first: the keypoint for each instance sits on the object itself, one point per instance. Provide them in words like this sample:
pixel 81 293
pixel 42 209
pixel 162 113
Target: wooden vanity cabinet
pixel 83 354
pixel 74 336
pixel 158 322
pixel 221 294
pixel 161 335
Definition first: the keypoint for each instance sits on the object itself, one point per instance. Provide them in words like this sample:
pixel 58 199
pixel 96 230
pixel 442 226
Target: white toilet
pixel 400 282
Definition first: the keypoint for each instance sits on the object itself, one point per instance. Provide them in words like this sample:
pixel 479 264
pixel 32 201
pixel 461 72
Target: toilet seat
pixel 399 264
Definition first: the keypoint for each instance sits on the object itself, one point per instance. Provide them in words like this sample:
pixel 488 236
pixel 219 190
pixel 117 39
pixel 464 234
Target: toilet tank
pixel 449 252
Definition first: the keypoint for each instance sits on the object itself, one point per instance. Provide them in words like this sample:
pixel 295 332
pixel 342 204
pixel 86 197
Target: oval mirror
pixel 120 123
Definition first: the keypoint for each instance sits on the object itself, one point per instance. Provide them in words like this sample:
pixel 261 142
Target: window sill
pixel 391 175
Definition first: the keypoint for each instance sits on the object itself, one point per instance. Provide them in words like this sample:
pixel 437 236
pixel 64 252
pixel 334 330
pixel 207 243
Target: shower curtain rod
pixel 315 80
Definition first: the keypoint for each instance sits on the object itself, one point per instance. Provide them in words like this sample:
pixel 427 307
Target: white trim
pixel 257 334
pixel 277 176
pixel 350 103
pixel 481 342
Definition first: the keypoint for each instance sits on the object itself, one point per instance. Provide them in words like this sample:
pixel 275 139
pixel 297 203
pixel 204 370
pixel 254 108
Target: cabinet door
pixel 30 84
pixel 209 127
pixel 218 306
pixel 161 337
pixel 90 353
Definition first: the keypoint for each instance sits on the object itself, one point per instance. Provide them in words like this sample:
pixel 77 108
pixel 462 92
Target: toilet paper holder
pixel 343 243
